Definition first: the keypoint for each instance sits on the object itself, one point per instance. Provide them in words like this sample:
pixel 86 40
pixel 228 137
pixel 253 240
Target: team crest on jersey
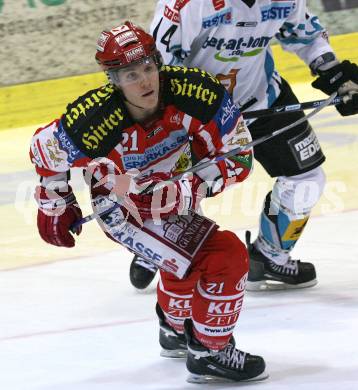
pixel 47 150
pixel 176 119
pixel 184 161
pixel 54 152
pixel 223 17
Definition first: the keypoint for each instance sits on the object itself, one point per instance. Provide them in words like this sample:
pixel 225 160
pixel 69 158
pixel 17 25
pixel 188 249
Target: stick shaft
pixel 289 108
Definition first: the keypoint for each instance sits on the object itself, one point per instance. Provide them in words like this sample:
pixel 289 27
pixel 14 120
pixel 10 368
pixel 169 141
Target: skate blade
pixel 202 379
pixel 174 353
pixel 273 285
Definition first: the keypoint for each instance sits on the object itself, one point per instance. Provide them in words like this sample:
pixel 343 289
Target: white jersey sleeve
pixel 303 34
pixel 174 27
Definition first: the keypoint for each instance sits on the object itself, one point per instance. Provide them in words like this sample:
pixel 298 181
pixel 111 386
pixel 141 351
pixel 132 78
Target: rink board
pixel 41 102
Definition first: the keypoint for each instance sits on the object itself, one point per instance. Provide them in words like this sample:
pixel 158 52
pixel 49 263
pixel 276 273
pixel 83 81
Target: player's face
pixel 140 83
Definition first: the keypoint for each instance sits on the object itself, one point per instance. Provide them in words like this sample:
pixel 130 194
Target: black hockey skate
pixel 264 274
pixel 173 343
pixel 227 365
pixel 141 272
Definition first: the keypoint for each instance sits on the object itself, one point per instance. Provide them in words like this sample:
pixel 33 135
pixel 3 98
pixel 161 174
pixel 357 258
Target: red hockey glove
pixel 58 210
pixel 176 197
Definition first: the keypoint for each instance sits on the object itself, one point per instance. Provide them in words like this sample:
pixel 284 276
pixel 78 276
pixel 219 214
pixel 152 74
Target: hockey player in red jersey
pixel 142 129
pixel 230 38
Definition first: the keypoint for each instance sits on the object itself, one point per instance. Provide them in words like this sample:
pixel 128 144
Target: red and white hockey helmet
pixel 124 45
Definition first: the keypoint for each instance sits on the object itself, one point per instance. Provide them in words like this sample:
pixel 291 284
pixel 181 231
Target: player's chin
pixel 151 98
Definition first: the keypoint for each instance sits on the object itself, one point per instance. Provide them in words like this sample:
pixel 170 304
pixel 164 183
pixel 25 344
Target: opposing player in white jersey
pixel 136 131
pixel 230 38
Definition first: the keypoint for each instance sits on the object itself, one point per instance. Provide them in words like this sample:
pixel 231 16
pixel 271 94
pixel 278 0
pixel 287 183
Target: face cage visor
pixel 134 72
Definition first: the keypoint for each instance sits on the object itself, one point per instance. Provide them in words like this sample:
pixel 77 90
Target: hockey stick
pixel 289 108
pixel 232 152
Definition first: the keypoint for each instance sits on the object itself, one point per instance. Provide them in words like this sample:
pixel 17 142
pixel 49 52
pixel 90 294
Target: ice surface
pixel 79 324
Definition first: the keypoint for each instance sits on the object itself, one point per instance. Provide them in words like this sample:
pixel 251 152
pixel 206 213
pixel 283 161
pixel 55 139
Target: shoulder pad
pixel 95 121
pixel 193 91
